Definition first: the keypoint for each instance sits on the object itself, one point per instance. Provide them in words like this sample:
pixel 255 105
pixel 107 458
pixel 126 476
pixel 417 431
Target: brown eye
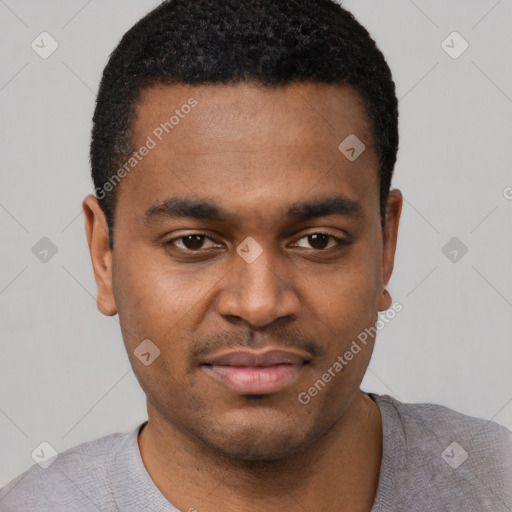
pixel 192 242
pixel 320 241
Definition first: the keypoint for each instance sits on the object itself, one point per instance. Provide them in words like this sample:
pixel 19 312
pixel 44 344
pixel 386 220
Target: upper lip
pixel 250 358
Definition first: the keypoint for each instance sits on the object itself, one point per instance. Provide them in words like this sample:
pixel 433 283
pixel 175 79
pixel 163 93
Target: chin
pixel 257 443
pixel 256 449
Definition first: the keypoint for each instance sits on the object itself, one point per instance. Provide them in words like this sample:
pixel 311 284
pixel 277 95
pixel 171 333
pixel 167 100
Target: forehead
pixel 232 143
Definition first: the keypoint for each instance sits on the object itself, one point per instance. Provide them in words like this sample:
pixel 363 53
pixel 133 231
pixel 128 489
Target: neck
pixel 342 467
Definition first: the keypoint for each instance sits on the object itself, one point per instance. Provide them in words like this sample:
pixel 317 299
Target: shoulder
pixel 449 456
pixel 427 421
pixel 78 479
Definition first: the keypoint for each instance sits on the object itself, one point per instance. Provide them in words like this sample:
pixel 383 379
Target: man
pixel 244 230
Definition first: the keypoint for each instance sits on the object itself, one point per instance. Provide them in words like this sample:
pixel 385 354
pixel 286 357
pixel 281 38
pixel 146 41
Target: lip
pixel 247 372
pixel 261 358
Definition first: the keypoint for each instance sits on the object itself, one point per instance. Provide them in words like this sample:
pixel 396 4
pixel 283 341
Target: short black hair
pixel 271 42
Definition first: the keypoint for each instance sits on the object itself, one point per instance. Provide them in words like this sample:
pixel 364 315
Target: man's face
pixel 266 160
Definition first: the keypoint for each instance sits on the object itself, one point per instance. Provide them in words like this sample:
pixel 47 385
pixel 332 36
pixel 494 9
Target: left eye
pixel 320 241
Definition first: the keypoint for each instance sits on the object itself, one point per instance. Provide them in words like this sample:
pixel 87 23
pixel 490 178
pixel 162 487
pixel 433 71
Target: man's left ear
pixel 393 211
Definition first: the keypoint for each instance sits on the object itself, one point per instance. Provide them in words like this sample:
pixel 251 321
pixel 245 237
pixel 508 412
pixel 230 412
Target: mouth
pixel 250 373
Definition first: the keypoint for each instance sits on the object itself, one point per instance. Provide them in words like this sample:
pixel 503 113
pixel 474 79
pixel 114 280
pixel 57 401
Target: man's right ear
pixel 96 229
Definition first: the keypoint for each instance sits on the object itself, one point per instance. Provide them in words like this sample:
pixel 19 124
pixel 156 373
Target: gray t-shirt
pixel 434 459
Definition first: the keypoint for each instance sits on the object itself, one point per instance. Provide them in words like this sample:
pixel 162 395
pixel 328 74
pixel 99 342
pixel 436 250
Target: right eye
pixel 191 243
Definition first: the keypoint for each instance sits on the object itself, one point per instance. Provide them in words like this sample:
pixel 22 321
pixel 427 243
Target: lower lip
pixel 257 380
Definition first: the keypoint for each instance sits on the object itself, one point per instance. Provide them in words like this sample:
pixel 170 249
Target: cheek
pixel 144 288
pixel 157 302
pixel 154 304
pixel 346 303
pixel 351 288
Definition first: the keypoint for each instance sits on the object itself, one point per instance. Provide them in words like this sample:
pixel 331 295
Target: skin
pixel 253 150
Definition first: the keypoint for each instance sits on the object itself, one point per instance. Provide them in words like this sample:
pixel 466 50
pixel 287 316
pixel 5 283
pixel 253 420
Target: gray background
pixel 64 374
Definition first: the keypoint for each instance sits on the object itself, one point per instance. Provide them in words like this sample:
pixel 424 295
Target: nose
pixel 258 292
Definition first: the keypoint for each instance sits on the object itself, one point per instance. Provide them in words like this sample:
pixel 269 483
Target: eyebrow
pixel 182 207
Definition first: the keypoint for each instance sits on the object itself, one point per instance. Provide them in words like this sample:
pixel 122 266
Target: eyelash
pixel 340 242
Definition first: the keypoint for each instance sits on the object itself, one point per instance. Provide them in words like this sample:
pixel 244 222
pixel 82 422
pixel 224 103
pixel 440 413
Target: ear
pixel 393 212
pixel 96 229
